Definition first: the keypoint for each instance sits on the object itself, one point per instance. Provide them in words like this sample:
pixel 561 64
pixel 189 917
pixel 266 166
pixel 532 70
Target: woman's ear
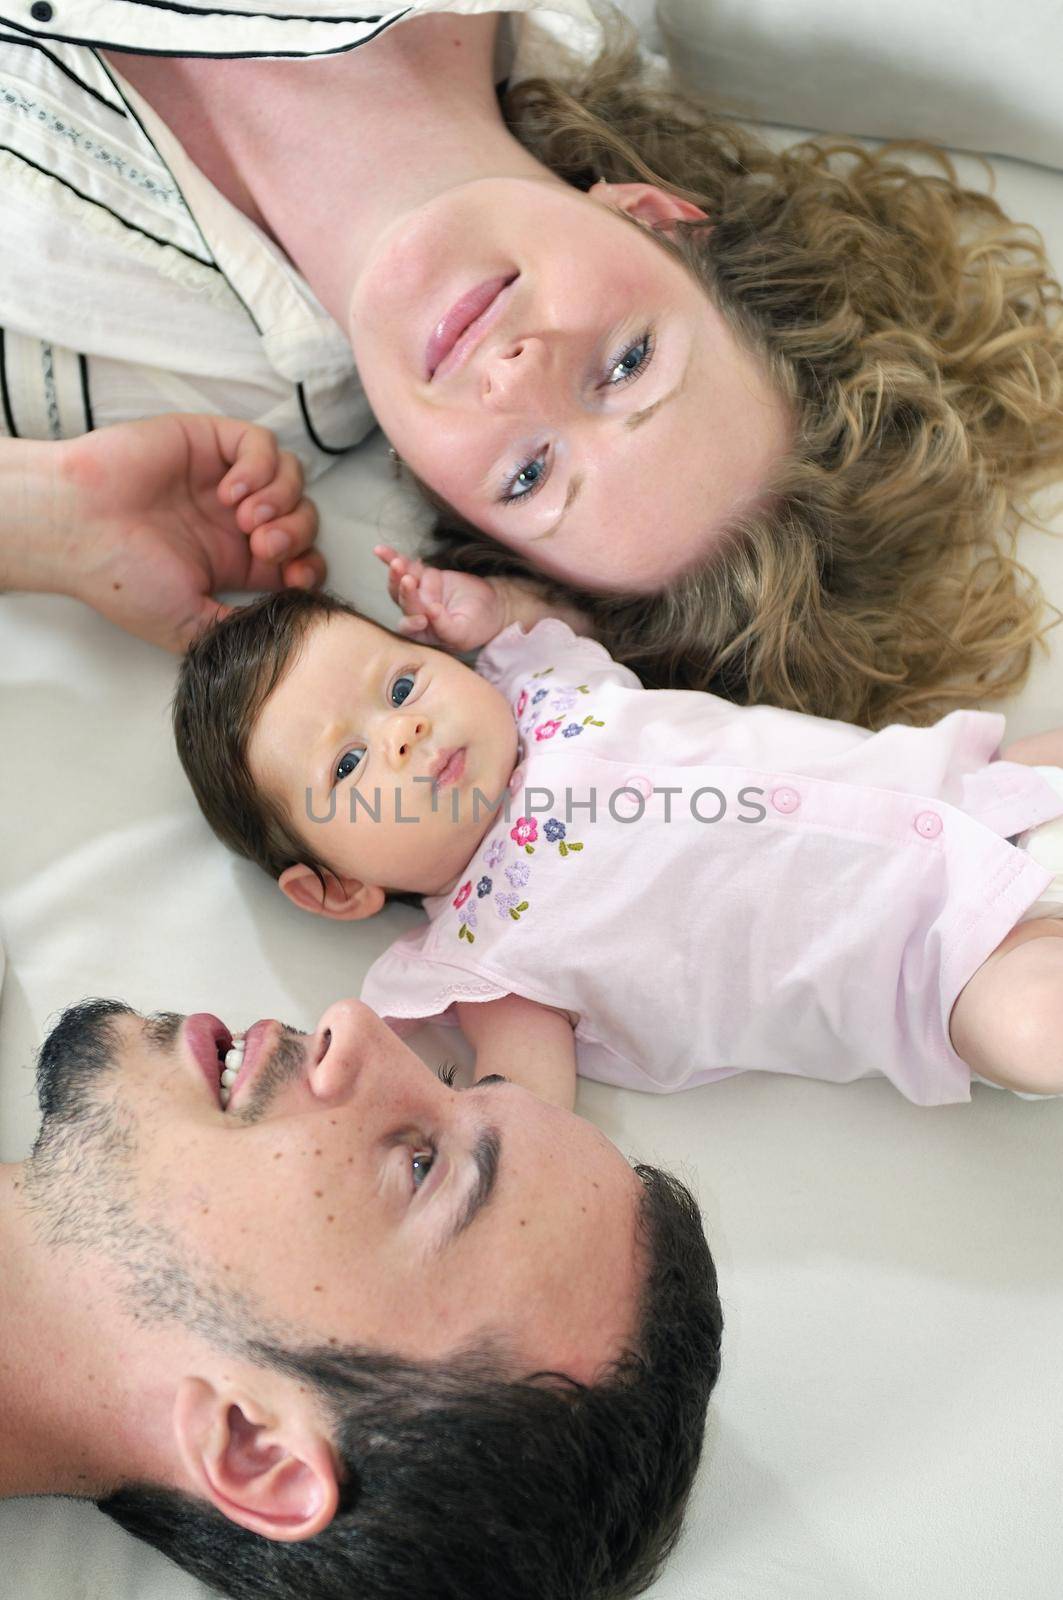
pixel 273 1474
pixel 646 203
pixel 345 899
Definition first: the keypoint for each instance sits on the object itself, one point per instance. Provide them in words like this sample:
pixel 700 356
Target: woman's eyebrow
pixel 574 487
pixel 637 418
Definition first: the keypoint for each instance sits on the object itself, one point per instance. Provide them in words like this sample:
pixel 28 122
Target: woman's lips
pixel 464 326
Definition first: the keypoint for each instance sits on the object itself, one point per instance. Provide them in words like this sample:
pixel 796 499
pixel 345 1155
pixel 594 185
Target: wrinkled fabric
pixel 755 891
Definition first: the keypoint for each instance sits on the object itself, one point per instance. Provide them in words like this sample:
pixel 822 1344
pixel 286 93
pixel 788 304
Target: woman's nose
pixel 516 376
pixel 405 733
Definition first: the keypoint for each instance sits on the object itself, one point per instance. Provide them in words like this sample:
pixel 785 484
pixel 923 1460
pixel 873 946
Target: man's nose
pixel 406 730
pixel 352 1050
pixel 517 376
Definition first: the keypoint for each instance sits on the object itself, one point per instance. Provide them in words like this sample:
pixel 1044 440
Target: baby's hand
pixel 453 609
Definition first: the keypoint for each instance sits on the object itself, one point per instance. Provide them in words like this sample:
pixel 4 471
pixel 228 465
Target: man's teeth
pixel 234 1060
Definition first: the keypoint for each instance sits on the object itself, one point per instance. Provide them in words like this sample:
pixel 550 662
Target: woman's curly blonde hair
pixel 917 332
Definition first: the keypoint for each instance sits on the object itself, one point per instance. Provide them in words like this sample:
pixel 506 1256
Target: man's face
pixel 599 417
pixel 346 1195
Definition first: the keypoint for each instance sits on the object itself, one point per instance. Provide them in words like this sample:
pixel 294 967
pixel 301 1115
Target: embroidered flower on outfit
pixel 494 853
pixel 483 887
pixel 540 694
pixel 518 874
pixel 467 915
pixel 571 731
pixel 522 701
pixel 525 831
pixel 510 905
pixel 462 895
pixel 546 730
pixel 563 700
pixel 554 830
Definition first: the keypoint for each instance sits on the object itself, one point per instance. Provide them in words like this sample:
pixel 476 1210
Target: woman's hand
pixel 152 518
pixel 454 610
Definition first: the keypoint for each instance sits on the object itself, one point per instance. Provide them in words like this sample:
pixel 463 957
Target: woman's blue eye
pixel 349 762
pixel 526 481
pixel 421 1164
pixel 401 689
pixel 645 344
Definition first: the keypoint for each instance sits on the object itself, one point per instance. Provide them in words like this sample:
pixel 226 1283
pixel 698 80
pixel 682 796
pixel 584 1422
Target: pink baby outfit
pixel 808 897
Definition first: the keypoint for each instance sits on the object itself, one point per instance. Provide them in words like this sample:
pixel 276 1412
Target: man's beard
pixel 81 1048
pixel 81 1183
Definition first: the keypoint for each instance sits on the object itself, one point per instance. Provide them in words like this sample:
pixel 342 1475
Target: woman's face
pixel 599 416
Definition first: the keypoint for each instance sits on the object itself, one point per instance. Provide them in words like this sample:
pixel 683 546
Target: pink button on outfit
pixel 792 894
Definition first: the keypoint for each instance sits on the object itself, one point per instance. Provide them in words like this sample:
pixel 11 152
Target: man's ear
pixel 646 203
pixel 272 1474
pixel 346 899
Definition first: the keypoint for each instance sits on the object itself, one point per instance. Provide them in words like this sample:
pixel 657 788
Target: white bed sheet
pixel 889 1422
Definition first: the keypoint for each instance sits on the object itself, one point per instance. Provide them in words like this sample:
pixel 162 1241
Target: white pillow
pixel 973 76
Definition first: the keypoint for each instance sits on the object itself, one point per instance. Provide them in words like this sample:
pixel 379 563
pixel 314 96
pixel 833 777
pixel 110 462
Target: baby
pixel 654 888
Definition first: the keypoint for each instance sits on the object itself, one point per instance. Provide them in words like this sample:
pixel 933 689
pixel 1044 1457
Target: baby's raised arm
pixel 459 611
pixel 527 1043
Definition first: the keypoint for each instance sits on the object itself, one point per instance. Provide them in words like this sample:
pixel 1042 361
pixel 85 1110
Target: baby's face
pixel 366 723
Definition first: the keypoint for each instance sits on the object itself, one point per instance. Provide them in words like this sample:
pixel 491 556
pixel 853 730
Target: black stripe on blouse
pixel 5 393
pixel 86 401
pixel 35 44
pixel 226 55
pixel 89 200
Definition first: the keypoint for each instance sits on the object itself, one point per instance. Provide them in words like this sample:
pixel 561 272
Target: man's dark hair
pixel 461 1484
pixel 225 679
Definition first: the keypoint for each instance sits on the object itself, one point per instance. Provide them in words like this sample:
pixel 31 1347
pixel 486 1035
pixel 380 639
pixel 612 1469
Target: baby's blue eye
pixel 402 688
pixel 422 1162
pixel 349 762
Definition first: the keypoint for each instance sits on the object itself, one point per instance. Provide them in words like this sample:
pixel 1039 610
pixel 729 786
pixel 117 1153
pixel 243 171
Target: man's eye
pixel 349 762
pixel 402 688
pixel 421 1163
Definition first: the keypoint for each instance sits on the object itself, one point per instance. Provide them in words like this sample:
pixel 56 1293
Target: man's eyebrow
pixel 486 1155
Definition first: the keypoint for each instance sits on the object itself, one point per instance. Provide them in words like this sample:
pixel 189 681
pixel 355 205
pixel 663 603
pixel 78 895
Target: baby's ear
pixel 346 899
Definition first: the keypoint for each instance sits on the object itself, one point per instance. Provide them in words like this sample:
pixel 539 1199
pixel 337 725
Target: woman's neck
pixel 328 154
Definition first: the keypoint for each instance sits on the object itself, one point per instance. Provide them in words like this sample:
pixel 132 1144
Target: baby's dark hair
pixel 225 680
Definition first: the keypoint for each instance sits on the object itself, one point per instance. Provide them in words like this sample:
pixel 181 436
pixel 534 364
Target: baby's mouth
pixel 448 768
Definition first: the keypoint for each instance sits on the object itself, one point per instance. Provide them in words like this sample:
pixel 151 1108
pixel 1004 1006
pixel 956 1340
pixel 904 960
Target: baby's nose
pixel 408 735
